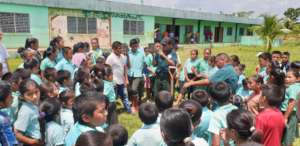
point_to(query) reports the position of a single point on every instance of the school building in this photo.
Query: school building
(76, 20)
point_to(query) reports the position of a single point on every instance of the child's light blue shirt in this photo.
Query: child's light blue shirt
(202, 129)
(54, 135)
(66, 119)
(148, 135)
(27, 120)
(109, 91)
(64, 64)
(46, 63)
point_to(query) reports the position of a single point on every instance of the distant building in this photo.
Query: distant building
(109, 21)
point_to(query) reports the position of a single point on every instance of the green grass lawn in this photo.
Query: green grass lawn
(247, 56)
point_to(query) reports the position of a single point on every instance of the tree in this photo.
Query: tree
(269, 30)
(292, 13)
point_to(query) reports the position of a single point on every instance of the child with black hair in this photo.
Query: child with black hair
(96, 50)
(270, 121)
(276, 57)
(276, 75)
(163, 102)
(52, 132)
(66, 62)
(34, 66)
(176, 128)
(7, 135)
(109, 92)
(220, 92)
(27, 127)
(288, 106)
(244, 91)
(202, 97)
(241, 128)
(33, 45)
(49, 58)
(239, 69)
(58, 43)
(194, 109)
(89, 113)
(94, 138)
(23, 73)
(66, 114)
(263, 59)
(48, 90)
(50, 74)
(119, 135)
(255, 83)
(235, 60)
(150, 130)
(64, 80)
(25, 54)
(285, 61)
(82, 77)
(78, 54)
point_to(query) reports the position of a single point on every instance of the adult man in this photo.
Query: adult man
(163, 60)
(225, 73)
(118, 63)
(3, 55)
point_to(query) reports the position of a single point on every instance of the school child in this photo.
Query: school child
(34, 66)
(194, 109)
(276, 57)
(163, 102)
(94, 138)
(191, 69)
(220, 92)
(241, 128)
(276, 75)
(49, 59)
(285, 61)
(150, 130)
(7, 135)
(52, 132)
(50, 75)
(252, 102)
(176, 128)
(109, 92)
(244, 91)
(119, 135)
(295, 65)
(150, 69)
(33, 45)
(270, 121)
(66, 115)
(263, 59)
(79, 54)
(58, 44)
(25, 55)
(82, 78)
(66, 62)
(96, 50)
(89, 112)
(202, 97)
(239, 69)
(64, 80)
(235, 60)
(288, 106)
(48, 90)
(27, 126)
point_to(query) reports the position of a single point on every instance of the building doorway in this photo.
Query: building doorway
(218, 34)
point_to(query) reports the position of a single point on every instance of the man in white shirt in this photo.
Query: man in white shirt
(118, 63)
(3, 55)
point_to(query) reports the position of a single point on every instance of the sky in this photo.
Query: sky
(273, 7)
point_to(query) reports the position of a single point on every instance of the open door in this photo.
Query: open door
(218, 34)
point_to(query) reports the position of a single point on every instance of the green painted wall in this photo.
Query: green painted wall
(118, 35)
(38, 25)
(212, 25)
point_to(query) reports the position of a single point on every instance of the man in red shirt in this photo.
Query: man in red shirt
(271, 121)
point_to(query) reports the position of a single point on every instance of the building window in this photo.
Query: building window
(14, 22)
(242, 31)
(131, 27)
(82, 25)
(249, 32)
(229, 31)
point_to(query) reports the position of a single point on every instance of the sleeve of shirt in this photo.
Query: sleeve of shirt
(132, 141)
(22, 121)
(58, 137)
(108, 61)
(218, 76)
(214, 125)
(58, 66)
(293, 94)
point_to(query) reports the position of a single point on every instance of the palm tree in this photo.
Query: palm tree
(269, 30)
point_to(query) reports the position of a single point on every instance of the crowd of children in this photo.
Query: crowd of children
(69, 97)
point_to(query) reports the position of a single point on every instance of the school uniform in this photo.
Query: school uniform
(243, 93)
(240, 81)
(60, 55)
(188, 66)
(75, 132)
(66, 119)
(202, 129)
(97, 53)
(195, 140)
(36, 78)
(218, 119)
(109, 92)
(46, 63)
(147, 135)
(27, 121)
(292, 129)
(149, 76)
(12, 110)
(204, 66)
(54, 135)
(67, 65)
(135, 71)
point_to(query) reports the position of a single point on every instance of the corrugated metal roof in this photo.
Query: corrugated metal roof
(110, 6)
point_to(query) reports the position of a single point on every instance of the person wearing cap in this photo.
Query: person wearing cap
(3, 55)
(163, 60)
